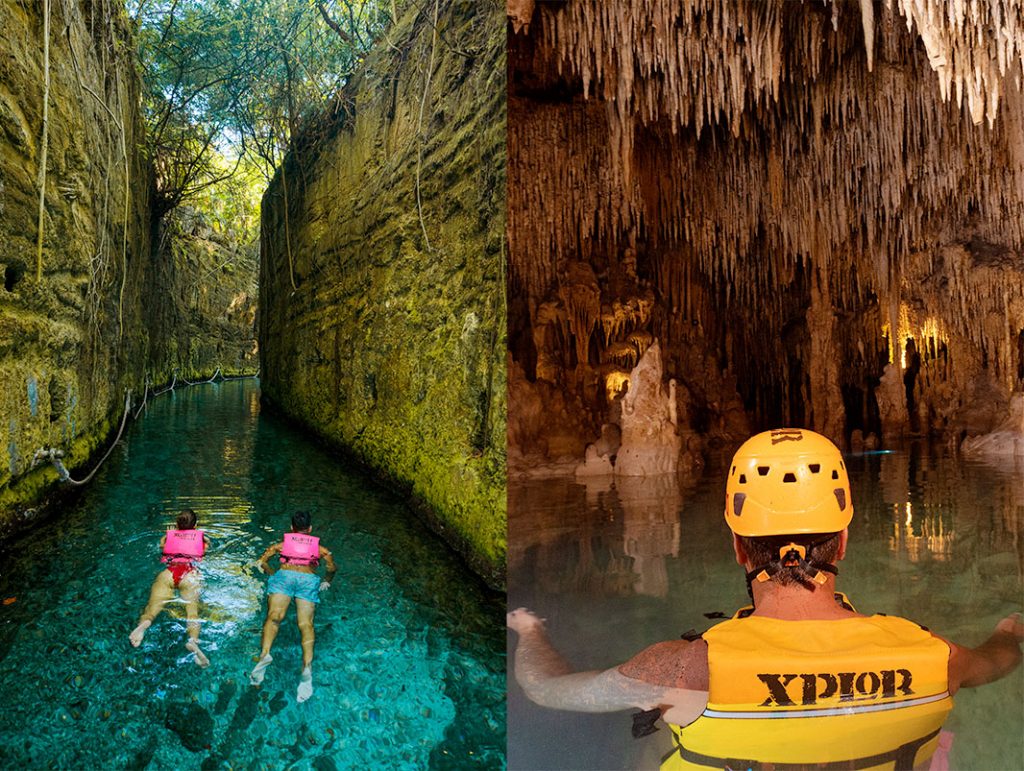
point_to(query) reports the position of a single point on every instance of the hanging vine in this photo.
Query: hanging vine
(43, 141)
(287, 232)
(419, 127)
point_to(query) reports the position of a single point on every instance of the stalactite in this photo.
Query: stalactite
(971, 46)
(733, 142)
(849, 103)
(867, 15)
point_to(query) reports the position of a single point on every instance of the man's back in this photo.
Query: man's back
(856, 690)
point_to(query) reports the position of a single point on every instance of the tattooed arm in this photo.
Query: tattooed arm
(549, 680)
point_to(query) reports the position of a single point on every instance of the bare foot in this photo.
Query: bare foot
(201, 659)
(305, 689)
(135, 638)
(260, 670)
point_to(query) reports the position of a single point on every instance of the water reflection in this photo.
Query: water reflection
(603, 535)
(928, 492)
(927, 534)
(650, 528)
(617, 565)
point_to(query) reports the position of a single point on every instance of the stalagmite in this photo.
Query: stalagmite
(824, 363)
(597, 460)
(650, 444)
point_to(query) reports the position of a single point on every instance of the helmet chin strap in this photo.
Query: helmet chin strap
(793, 555)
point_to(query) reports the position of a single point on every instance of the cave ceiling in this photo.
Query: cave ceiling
(784, 193)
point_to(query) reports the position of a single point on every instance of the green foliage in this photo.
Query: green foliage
(232, 207)
(302, 62)
(236, 79)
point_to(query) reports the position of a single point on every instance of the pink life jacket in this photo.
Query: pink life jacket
(301, 549)
(183, 545)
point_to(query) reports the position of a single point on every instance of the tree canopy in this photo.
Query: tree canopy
(228, 83)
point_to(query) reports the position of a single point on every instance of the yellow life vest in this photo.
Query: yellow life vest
(852, 693)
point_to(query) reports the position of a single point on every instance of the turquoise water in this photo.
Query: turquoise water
(409, 669)
(615, 569)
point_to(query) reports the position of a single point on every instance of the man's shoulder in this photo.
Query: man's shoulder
(672, 663)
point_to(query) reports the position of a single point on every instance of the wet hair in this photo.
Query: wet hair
(301, 521)
(821, 547)
(187, 519)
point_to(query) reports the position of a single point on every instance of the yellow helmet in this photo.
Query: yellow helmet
(787, 481)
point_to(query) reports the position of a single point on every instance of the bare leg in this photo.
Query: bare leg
(189, 589)
(277, 606)
(160, 594)
(304, 610)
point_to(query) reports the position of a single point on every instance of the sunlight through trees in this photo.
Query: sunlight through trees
(228, 84)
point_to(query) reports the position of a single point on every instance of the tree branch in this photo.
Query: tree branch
(333, 24)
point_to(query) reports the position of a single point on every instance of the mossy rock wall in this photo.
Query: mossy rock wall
(382, 314)
(204, 287)
(73, 341)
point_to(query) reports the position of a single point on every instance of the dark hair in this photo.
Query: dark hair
(187, 519)
(301, 521)
(821, 547)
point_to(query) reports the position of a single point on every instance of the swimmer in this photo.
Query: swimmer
(182, 549)
(300, 553)
(798, 679)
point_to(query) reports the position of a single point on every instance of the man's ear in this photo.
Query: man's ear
(741, 554)
(843, 538)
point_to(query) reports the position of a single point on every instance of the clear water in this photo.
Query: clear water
(613, 570)
(409, 669)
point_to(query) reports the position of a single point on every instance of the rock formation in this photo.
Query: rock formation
(1007, 440)
(784, 194)
(382, 318)
(650, 444)
(598, 457)
(647, 443)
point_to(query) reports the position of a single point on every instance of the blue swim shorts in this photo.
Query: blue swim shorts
(302, 586)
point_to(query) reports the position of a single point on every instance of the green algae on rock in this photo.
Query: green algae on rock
(382, 312)
(111, 308)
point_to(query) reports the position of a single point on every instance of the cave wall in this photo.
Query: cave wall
(783, 195)
(382, 318)
(90, 327)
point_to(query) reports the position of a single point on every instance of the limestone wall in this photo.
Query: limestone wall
(93, 323)
(204, 292)
(382, 317)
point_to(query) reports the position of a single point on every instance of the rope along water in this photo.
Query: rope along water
(213, 377)
(174, 379)
(54, 455)
(145, 394)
